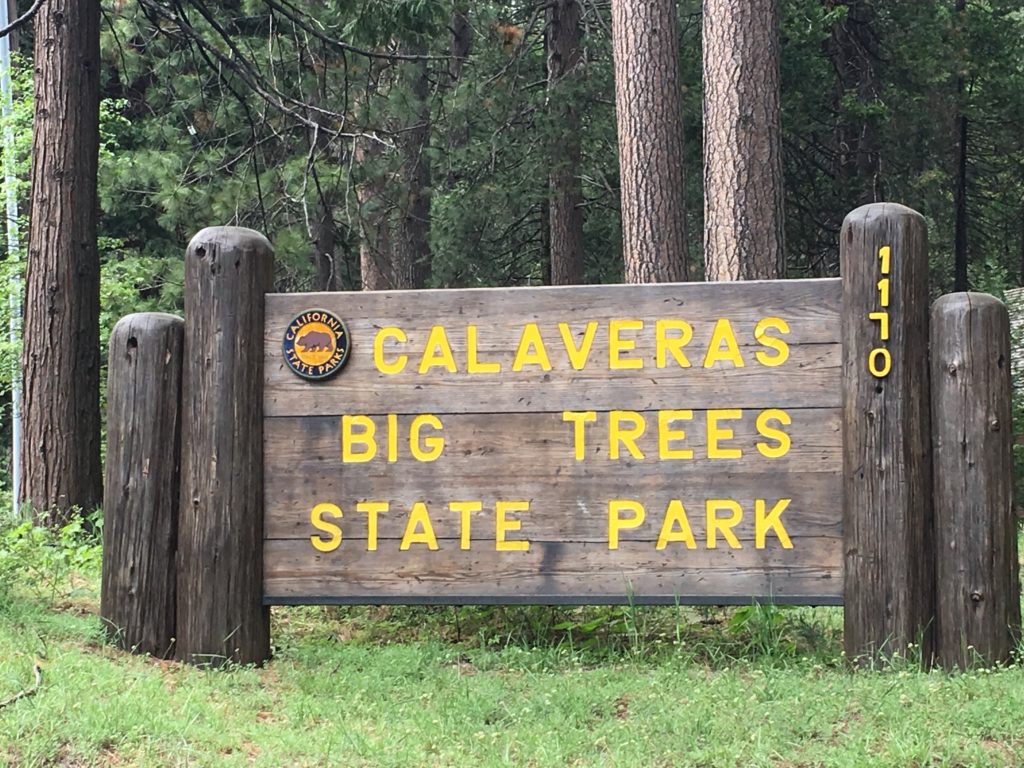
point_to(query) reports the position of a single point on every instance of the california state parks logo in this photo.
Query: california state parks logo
(316, 344)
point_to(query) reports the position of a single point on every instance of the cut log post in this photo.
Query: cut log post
(140, 502)
(887, 516)
(977, 587)
(221, 616)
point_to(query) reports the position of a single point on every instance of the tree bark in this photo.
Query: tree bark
(562, 32)
(649, 113)
(853, 50)
(412, 246)
(743, 190)
(61, 355)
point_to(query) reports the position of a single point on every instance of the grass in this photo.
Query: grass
(629, 686)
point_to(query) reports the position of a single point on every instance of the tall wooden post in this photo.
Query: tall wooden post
(140, 501)
(220, 559)
(977, 587)
(887, 516)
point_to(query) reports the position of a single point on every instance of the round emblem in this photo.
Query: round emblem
(316, 344)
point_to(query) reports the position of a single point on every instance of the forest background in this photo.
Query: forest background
(429, 142)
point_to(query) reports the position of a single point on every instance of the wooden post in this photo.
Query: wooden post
(140, 502)
(221, 616)
(887, 515)
(977, 588)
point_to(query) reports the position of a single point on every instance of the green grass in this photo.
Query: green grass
(481, 687)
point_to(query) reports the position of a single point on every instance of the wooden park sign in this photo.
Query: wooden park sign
(678, 443)
(658, 443)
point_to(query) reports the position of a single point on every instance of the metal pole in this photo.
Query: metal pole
(13, 254)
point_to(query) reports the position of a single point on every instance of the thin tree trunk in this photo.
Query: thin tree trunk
(323, 249)
(743, 194)
(565, 219)
(649, 113)
(375, 268)
(461, 40)
(853, 50)
(61, 355)
(412, 246)
(960, 255)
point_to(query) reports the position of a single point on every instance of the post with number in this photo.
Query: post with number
(887, 515)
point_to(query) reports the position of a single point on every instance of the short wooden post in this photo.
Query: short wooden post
(887, 516)
(140, 501)
(221, 616)
(977, 588)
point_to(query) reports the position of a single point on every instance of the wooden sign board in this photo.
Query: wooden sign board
(598, 444)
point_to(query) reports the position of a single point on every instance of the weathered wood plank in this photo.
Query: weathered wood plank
(887, 464)
(304, 468)
(140, 503)
(549, 572)
(977, 586)
(572, 509)
(809, 309)
(220, 612)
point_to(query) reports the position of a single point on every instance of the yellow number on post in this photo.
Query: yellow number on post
(879, 362)
(884, 253)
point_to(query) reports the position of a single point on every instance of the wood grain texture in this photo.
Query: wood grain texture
(886, 462)
(220, 613)
(506, 439)
(551, 572)
(140, 503)
(531, 456)
(977, 587)
(810, 375)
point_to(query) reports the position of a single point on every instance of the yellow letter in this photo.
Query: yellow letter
(725, 525)
(772, 521)
(530, 340)
(773, 433)
(418, 518)
(427, 448)
(378, 350)
(675, 516)
(579, 419)
(628, 437)
(438, 352)
(316, 517)
(465, 509)
(371, 508)
(674, 344)
(392, 437)
(716, 433)
(349, 439)
(780, 346)
(666, 434)
(616, 523)
(616, 345)
(578, 355)
(723, 334)
(472, 364)
(502, 525)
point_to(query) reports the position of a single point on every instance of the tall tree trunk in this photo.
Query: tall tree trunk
(61, 355)
(960, 255)
(853, 49)
(649, 113)
(562, 37)
(412, 246)
(743, 196)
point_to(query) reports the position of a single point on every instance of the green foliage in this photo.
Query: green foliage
(46, 562)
